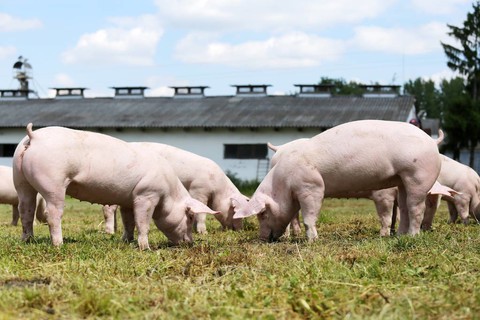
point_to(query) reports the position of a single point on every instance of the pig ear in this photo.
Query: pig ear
(443, 190)
(194, 206)
(238, 201)
(250, 209)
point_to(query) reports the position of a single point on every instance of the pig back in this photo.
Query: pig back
(371, 154)
(95, 167)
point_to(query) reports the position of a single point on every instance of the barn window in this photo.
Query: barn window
(245, 151)
(7, 150)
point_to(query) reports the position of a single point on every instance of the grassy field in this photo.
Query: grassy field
(350, 272)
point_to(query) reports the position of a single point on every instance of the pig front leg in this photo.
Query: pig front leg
(432, 203)
(142, 213)
(452, 211)
(110, 214)
(199, 222)
(385, 209)
(15, 215)
(128, 224)
(462, 206)
(310, 206)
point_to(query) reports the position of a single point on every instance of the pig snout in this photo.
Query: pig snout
(268, 234)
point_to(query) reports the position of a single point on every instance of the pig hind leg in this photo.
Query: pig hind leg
(55, 204)
(416, 195)
(402, 206)
(26, 208)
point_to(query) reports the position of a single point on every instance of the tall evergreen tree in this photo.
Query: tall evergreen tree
(466, 60)
(426, 96)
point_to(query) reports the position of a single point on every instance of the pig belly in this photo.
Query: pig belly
(358, 179)
(101, 194)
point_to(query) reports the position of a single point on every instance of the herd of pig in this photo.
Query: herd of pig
(395, 164)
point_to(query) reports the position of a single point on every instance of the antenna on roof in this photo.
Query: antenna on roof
(23, 71)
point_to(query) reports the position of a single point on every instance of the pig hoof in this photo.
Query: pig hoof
(57, 243)
(202, 230)
(27, 238)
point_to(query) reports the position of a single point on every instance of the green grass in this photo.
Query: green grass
(350, 272)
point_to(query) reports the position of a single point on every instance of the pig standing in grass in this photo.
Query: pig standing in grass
(205, 181)
(8, 195)
(101, 169)
(466, 181)
(356, 156)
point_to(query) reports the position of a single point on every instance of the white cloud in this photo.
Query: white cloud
(289, 50)
(409, 41)
(130, 42)
(7, 51)
(446, 74)
(160, 85)
(63, 80)
(10, 23)
(267, 15)
(438, 7)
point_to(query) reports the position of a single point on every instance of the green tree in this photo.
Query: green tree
(456, 115)
(426, 97)
(342, 87)
(465, 59)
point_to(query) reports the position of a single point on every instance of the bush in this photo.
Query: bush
(246, 187)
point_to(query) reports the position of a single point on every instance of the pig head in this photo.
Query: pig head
(355, 156)
(56, 161)
(205, 181)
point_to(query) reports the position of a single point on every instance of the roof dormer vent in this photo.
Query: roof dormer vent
(69, 93)
(315, 90)
(189, 91)
(14, 94)
(129, 92)
(252, 90)
(380, 91)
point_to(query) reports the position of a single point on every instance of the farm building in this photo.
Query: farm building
(231, 130)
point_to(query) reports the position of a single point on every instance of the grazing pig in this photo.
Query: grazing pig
(8, 195)
(355, 156)
(466, 181)
(94, 167)
(204, 180)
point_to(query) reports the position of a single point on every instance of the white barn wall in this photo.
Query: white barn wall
(209, 144)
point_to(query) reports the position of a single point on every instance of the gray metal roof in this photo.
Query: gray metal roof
(205, 112)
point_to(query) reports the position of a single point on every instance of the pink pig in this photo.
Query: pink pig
(101, 169)
(8, 195)
(204, 180)
(356, 156)
(466, 181)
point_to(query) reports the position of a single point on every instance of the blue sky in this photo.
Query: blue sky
(219, 43)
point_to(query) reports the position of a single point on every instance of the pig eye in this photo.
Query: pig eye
(262, 215)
